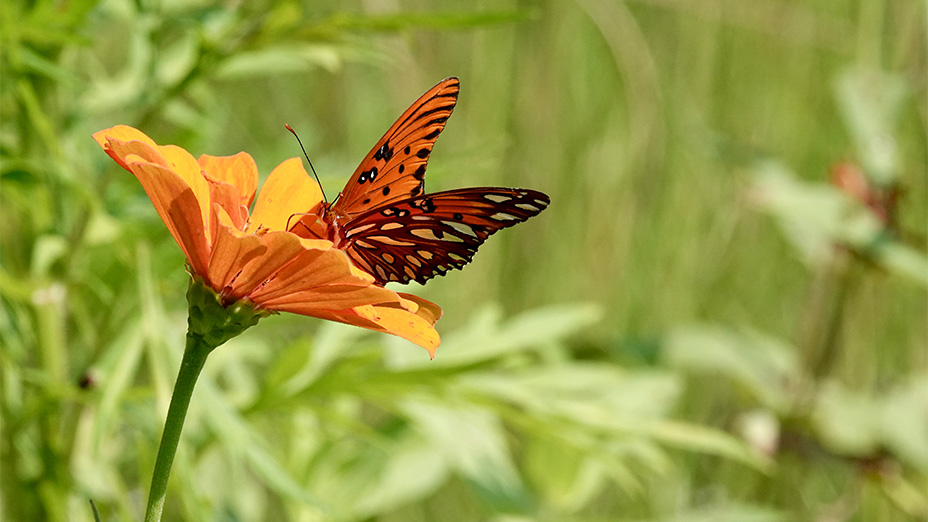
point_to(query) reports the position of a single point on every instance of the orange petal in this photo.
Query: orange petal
(288, 190)
(239, 170)
(179, 208)
(321, 279)
(325, 298)
(125, 152)
(427, 310)
(186, 166)
(171, 157)
(231, 250)
(282, 248)
(229, 199)
(122, 133)
(316, 267)
(393, 321)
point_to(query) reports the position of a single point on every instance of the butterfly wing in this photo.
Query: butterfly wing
(421, 237)
(395, 168)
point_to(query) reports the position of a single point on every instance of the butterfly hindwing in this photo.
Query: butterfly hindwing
(421, 237)
(394, 169)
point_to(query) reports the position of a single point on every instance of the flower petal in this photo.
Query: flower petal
(122, 133)
(231, 251)
(288, 190)
(125, 152)
(186, 166)
(320, 279)
(316, 267)
(239, 170)
(282, 248)
(326, 298)
(178, 207)
(393, 321)
(229, 199)
(141, 148)
(427, 310)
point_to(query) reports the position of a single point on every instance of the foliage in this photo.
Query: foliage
(700, 327)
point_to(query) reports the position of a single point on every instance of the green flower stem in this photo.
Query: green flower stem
(194, 358)
(210, 323)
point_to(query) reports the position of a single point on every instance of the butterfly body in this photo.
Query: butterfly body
(386, 223)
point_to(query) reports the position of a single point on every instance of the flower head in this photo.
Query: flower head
(252, 258)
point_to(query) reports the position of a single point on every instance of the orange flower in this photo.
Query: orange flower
(253, 258)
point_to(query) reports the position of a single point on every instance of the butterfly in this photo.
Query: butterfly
(390, 227)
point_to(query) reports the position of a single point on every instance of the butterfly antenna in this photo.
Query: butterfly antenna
(289, 128)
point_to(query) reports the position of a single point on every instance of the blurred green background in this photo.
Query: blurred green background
(710, 322)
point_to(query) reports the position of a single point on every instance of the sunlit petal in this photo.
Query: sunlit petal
(186, 166)
(239, 170)
(389, 320)
(282, 248)
(122, 133)
(179, 208)
(231, 251)
(228, 197)
(288, 190)
(426, 309)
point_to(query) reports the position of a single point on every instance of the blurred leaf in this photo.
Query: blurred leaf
(38, 64)
(767, 367)
(817, 218)
(731, 513)
(283, 59)
(701, 439)
(904, 415)
(397, 486)
(421, 20)
(474, 442)
(848, 421)
(566, 476)
(856, 423)
(47, 251)
(486, 339)
(871, 102)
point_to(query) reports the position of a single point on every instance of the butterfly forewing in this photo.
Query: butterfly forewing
(394, 169)
(421, 237)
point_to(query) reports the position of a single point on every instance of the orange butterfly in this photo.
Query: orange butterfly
(395, 232)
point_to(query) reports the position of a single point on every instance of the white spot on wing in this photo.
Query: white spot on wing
(526, 206)
(390, 241)
(428, 233)
(497, 198)
(358, 230)
(502, 216)
(456, 257)
(461, 227)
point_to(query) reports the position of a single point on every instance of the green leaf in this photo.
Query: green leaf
(871, 102)
(485, 338)
(283, 59)
(474, 443)
(766, 366)
(435, 21)
(904, 422)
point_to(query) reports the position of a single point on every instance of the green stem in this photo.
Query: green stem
(190, 366)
